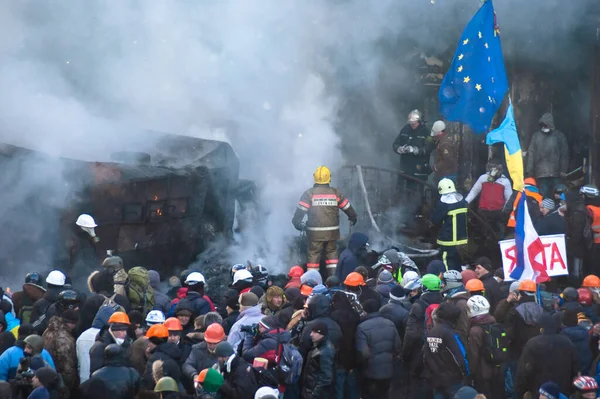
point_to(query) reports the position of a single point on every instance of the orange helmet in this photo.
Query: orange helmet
(214, 334)
(119, 317)
(474, 285)
(354, 279)
(173, 324)
(296, 271)
(591, 281)
(530, 181)
(202, 376)
(157, 331)
(305, 290)
(527, 285)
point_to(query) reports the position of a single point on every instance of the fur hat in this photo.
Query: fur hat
(100, 281)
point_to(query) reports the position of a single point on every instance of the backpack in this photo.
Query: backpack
(139, 290)
(495, 349)
(111, 302)
(289, 363)
(429, 316)
(25, 310)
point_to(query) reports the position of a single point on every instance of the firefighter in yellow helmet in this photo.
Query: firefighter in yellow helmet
(322, 204)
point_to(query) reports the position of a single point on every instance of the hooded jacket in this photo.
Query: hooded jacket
(240, 381)
(396, 312)
(103, 339)
(548, 153)
(196, 302)
(161, 301)
(200, 358)
(247, 317)
(42, 304)
(444, 357)
(460, 298)
(414, 336)
(318, 310)
(87, 339)
(480, 368)
(347, 319)
(123, 382)
(521, 324)
(60, 343)
(9, 360)
(266, 345)
(30, 294)
(581, 341)
(169, 354)
(352, 256)
(377, 343)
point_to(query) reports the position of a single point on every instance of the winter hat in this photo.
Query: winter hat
(248, 299)
(210, 379)
(270, 322)
(311, 275)
(70, 316)
(569, 318)
(25, 330)
(266, 393)
(437, 128)
(549, 204)
(332, 281)
(224, 349)
(36, 342)
(319, 326)
(465, 393)
(274, 291)
(397, 293)
(292, 294)
(154, 279)
(371, 306)
(258, 291)
(385, 277)
(101, 281)
(47, 376)
(468, 275)
(436, 267)
(448, 311)
(550, 390)
(319, 289)
(514, 286)
(136, 317)
(183, 309)
(484, 262)
(547, 322)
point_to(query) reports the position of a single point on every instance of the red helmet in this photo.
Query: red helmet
(585, 297)
(585, 384)
(296, 271)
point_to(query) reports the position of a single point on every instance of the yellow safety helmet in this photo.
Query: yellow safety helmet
(322, 175)
(446, 186)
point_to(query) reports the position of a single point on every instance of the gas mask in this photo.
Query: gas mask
(91, 232)
(545, 129)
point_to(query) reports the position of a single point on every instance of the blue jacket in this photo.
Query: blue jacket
(581, 339)
(348, 260)
(9, 361)
(39, 393)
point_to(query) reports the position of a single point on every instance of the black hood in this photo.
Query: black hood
(318, 306)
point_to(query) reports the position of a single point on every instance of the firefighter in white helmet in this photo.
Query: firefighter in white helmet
(451, 214)
(82, 244)
(322, 204)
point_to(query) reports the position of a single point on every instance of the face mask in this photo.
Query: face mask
(545, 130)
(91, 232)
(119, 341)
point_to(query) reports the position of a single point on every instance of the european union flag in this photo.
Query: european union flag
(476, 83)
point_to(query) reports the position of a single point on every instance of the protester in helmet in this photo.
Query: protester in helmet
(168, 388)
(455, 292)
(586, 301)
(294, 277)
(82, 244)
(242, 281)
(115, 332)
(59, 341)
(249, 314)
(163, 351)
(475, 287)
(208, 382)
(67, 299)
(353, 256)
(355, 283)
(23, 301)
(484, 272)
(538, 364)
(55, 282)
(585, 387)
(203, 355)
(260, 276)
(176, 337)
(122, 381)
(195, 299)
(450, 214)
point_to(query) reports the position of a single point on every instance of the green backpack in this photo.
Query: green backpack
(139, 290)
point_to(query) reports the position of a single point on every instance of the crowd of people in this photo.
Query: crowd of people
(392, 333)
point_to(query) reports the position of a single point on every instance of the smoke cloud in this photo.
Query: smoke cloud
(290, 85)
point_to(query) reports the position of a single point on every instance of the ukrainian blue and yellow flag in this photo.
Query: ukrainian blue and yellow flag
(475, 85)
(507, 133)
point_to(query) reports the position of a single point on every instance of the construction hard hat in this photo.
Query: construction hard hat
(166, 384)
(56, 277)
(530, 181)
(119, 317)
(114, 262)
(589, 190)
(236, 267)
(85, 220)
(173, 324)
(431, 282)
(585, 384)
(242, 275)
(414, 116)
(585, 296)
(322, 175)
(451, 279)
(437, 128)
(527, 286)
(296, 271)
(306, 290)
(570, 294)
(33, 278)
(214, 333)
(477, 305)
(446, 186)
(266, 393)
(474, 285)
(195, 278)
(155, 317)
(412, 284)
(354, 279)
(157, 331)
(591, 281)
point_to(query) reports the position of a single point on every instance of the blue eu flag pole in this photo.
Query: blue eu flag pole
(476, 82)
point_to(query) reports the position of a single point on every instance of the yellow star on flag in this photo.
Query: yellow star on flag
(465, 42)
(460, 57)
(460, 68)
(486, 45)
(467, 79)
(480, 35)
(478, 87)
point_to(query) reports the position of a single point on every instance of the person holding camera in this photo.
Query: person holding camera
(263, 340)
(45, 384)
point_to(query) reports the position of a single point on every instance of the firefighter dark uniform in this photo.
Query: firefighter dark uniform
(451, 213)
(322, 204)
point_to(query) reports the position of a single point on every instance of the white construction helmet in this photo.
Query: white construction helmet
(85, 220)
(414, 116)
(446, 186)
(155, 317)
(266, 393)
(56, 277)
(437, 128)
(195, 278)
(242, 275)
(477, 305)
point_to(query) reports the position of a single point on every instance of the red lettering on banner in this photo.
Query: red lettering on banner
(556, 258)
(511, 255)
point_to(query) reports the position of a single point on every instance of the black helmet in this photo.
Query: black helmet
(69, 299)
(33, 278)
(112, 351)
(570, 294)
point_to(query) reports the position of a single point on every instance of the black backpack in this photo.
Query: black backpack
(496, 342)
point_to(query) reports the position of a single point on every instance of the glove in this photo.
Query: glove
(352, 221)
(402, 149)
(413, 150)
